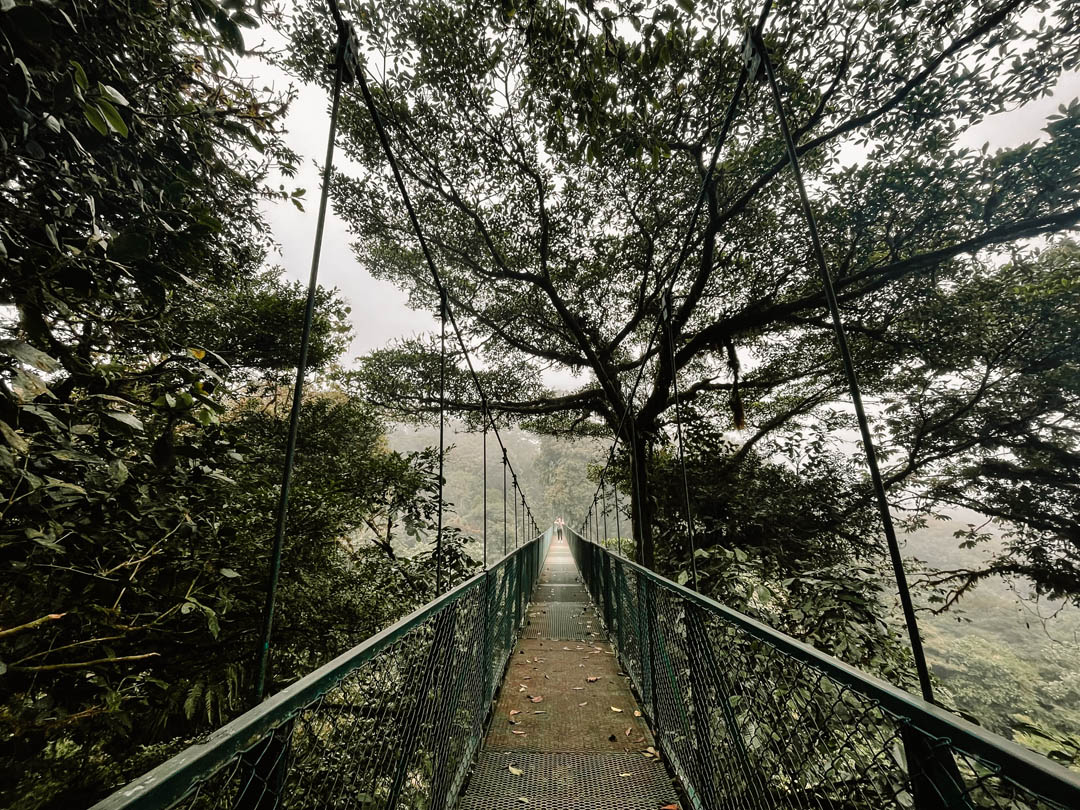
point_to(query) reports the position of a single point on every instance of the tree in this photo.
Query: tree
(555, 153)
(141, 408)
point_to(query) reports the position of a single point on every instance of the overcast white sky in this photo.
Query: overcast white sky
(379, 311)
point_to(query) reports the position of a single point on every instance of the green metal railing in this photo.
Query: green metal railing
(747, 717)
(392, 723)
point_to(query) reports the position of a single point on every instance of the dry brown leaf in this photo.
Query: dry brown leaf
(628, 730)
(592, 678)
(514, 711)
(522, 733)
(536, 699)
(616, 709)
(586, 703)
(637, 713)
(670, 807)
(515, 771)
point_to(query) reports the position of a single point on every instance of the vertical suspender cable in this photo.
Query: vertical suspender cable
(301, 368)
(505, 525)
(853, 382)
(603, 500)
(618, 527)
(485, 488)
(667, 315)
(442, 440)
(515, 512)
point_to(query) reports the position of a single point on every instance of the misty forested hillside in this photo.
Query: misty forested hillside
(1007, 660)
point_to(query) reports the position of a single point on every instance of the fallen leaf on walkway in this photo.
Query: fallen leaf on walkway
(637, 713)
(628, 730)
(522, 689)
(522, 733)
(536, 699)
(592, 678)
(586, 703)
(625, 774)
(515, 771)
(579, 687)
(616, 709)
(514, 711)
(523, 800)
(670, 807)
(540, 712)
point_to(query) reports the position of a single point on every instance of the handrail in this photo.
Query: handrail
(174, 779)
(1037, 774)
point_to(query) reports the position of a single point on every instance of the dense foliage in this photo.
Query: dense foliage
(144, 343)
(555, 152)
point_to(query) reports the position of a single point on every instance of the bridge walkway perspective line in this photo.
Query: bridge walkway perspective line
(566, 731)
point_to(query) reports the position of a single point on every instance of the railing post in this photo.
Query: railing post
(489, 641)
(268, 765)
(518, 577)
(443, 635)
(703, 674)
(645, 643)
(606, 589)
(452, 680)
(936, 783)
(619, 617)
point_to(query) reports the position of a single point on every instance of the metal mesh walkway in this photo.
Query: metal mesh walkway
(566, 731)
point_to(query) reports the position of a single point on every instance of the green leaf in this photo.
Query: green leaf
(112, 94)
(229, 573)
(17, 442)
(125, 419)
(95, 118)
(80, 75)
(230, 32)
(26, 353)
(113, 117)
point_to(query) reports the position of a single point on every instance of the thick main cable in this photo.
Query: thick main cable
(384, 140)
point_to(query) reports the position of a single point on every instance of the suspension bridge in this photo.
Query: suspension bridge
(567, 675)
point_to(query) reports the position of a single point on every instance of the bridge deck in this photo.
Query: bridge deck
(567, 731)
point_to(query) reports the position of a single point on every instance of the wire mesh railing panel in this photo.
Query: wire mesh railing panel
(750, 718)
(394, 723)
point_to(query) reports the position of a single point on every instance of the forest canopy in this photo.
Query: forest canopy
(556, 151)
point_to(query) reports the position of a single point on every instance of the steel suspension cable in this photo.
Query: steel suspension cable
(669, 282)
(852, 378)
(679, 439)
(414, 220)
(442, 439)
(505, 525)
(281, 517)
(603, 503)
(484, 444)
(618, 528)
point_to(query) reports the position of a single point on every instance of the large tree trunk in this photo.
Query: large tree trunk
(640, 510)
